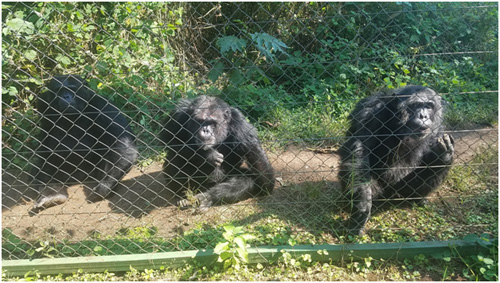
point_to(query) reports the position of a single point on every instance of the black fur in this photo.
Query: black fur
(208, 141)
(83, 138)
(396, 148)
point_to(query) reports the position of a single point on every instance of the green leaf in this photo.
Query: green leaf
(220, 247)
(90, 27)
(117, 50)
(79, 15)
(30, 55)
(108, 42)
(488, 260)
(238, 230)
(243, 254)
(225, 255)
(266, 44)
(63, 59)
(102, 67)
(227, 264)
(368, 262)
(228, 228)
(20, 26)
(247, 236)
(240, 242)
(231, 42)
(216, 71)
(236, 77)
(228, 236)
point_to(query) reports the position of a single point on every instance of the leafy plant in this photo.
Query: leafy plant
(484, 265)
(233, 252)
(243, 64)
(268, 44)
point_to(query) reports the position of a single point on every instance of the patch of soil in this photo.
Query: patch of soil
(142, 200)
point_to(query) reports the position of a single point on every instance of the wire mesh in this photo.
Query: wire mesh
(123, 147)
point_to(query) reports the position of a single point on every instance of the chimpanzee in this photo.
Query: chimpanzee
(395, 148)
(83, 137)
(208, 144)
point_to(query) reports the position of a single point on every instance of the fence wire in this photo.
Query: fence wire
(113, 141)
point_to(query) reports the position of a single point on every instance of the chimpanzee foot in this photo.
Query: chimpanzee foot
(186, 203)
(47, 201)
(200, 200)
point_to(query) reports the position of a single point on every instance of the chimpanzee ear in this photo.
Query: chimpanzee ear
(227, 114)
(396, 100)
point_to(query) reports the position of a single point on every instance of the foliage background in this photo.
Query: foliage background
(293, 65)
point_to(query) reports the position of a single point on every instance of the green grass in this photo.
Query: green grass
(312, 125)
(471, 115)
(287, 267)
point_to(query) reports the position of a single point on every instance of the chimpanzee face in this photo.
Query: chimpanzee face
(67, 93)
(210, 122)
(420, 112)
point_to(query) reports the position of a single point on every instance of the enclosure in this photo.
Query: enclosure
(295, 70)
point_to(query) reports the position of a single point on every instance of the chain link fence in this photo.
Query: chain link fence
(290, 73)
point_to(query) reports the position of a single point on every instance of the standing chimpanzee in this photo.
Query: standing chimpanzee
(83, 138)
(396, 148)
(207, 142)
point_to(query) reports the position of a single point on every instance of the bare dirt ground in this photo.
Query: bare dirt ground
(142, 200)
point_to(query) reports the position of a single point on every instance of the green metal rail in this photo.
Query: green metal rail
(117, 263)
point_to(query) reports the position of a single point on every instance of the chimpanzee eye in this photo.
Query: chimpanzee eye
(429, 105)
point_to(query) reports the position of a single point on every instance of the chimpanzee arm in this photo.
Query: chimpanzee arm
(431, 173)
(356, 171)
(355, 175)
(116, 145)
(242, 183)
(261, 170)
(249, 145)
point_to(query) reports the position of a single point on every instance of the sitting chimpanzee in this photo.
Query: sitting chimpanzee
(83, 138)
(207, 142)
(396, 148)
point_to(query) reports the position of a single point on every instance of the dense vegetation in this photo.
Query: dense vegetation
(292, 67)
